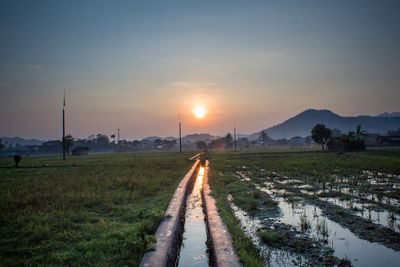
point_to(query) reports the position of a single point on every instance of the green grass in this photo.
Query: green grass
(310, 166)
(97, 210)
(224, 184)
(271, 238)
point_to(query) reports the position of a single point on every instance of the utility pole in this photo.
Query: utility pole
(234, 135)
(180, 135)
(63, 127)
(263, 137)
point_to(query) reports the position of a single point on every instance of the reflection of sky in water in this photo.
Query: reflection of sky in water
(345, 243)
(193, 249)
(384, 218)
(250, 225)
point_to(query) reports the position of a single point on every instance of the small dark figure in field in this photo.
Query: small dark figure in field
(17, 159)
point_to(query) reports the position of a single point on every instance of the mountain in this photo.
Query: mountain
(21, 141)
(302, 123)
(389, 115)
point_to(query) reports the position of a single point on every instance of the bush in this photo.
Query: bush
(345, 143)
(270, 238)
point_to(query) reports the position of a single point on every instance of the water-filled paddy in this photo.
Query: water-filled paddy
(315, 208)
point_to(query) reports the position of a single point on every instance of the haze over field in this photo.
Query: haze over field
(137, 65)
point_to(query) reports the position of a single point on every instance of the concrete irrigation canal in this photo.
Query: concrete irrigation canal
(192, 233)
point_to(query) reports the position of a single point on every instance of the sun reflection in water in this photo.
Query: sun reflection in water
(200, 176)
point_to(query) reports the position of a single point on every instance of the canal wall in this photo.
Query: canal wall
(170, 229)
(223, 253)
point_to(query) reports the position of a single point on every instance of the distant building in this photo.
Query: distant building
(80, 151)
(391, 140)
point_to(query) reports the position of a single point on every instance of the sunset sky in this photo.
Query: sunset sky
(136, 65)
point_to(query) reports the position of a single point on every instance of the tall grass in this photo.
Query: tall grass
(95, 210)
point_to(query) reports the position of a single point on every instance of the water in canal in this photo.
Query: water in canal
(193, 251)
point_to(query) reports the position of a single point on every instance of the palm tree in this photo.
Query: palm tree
(360, 134)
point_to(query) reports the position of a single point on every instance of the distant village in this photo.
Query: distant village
(109, 143)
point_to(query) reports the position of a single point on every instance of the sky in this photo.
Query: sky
(141, 65)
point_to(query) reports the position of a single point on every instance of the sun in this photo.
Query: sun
(199, 112)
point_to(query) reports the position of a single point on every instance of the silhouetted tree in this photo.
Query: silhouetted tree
(1, 145)
(394, 132)
(113, 137)
(228, 141)
(157, 143)
(52, 146)
(136, 144)
(69, 142)
(320, 134)
(201, 145)
(102, 139)
(217, 144)
(359, 133)
(336, 132)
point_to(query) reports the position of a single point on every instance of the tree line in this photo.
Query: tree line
(333, 139)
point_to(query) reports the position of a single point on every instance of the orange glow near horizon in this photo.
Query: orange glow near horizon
(199, 112)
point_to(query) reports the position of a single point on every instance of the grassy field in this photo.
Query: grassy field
(96, 210)
(259, 182)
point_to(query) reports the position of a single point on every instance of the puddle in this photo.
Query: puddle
(270, 190)
(305, 186)
(372, 197)
(371, 174)
(250, 226)
(384, 218)
(193, 251)
(289, 181)
(345, 244)
(343, 241)
(243, 176)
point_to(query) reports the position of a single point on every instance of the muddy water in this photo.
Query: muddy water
(193, 251)
(272, 257)
(343, 241)
(384, 218)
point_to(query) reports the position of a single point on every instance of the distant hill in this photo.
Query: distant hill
(390, 115)
(301, 124)
(21, 141)
(194, 138)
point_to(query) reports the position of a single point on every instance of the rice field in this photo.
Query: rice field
(95, 210)
(311, 208)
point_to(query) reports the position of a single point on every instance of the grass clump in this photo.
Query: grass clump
(271, 238)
